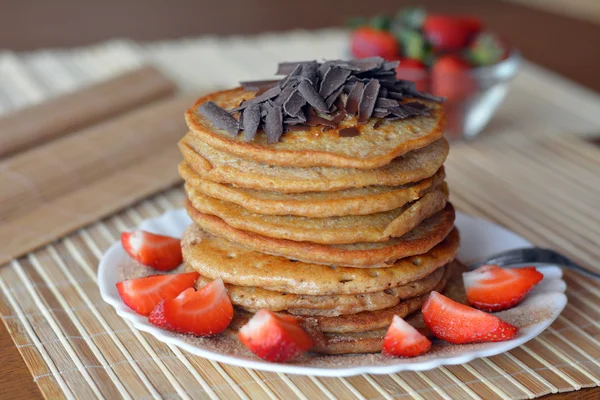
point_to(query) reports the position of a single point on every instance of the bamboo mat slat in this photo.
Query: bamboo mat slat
(528, 172)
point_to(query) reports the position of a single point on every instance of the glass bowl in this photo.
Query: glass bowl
(485, 90)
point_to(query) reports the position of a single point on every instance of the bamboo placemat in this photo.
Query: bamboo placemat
(528, 173)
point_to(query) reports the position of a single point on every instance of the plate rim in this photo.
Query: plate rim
(140, 323)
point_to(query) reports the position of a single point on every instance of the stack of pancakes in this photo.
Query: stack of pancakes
(343, 232)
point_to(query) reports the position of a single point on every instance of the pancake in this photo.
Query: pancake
(214, 257)
(372, 148)
(359, 255)
(378, 319)
(372, 341)
(334, 230)
(221, 167)
(253, 299)
(353, 201)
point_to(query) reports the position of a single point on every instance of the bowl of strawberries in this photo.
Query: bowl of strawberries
(451, 56)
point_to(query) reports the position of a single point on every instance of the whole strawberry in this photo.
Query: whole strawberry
(449, 33)
(369, 42)
(451, 78)
(413, 70)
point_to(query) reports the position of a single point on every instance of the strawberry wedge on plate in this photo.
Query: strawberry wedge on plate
(403, 340)
(205, 312)
(274, 337)
(143, 294)
(162, 253)
(459, 324)
(491, 288)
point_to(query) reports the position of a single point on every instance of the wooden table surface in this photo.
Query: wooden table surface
(557, 42)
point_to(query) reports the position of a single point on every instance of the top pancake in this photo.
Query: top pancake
(372, 148)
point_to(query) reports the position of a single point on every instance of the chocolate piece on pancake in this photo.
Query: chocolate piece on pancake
(354, 201)
(377, 227)
(222, 167)
(214, 257)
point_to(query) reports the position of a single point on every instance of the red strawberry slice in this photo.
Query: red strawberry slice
(403, 340)
(274, 337)
(143, 294)
(458, 323)
(157, 316)
(205, 312)
(160, 252)
(492, 288)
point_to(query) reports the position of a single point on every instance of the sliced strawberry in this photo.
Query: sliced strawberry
(403, 340)
(274, 337)
(157, 316)
(458, 323)
(160, 252)
(143, 294)
(205, 312)
(492, 288)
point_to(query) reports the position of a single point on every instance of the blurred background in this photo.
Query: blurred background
(549, 32)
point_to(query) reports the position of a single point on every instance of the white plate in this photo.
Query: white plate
(478, 239)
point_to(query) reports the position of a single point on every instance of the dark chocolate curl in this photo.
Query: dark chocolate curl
(294, 103)
(269, 94)
(333, 80)
(309, 71)
(354, 98)
(367, 103)
(258, 85)
(274, 124)
(219, 117)
(250, 121)
(333, 97)
(286, 68)
(386, 103)
(312, 97)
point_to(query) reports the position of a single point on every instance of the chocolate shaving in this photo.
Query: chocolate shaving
(294, 103)
(322, 94)
(395, 95)
(274, 124)
(309, 72)
(219, 117)
(269, 94)
(291, 77)
(286, 68)
(333, 97)
(349, 132)
(377, 123)
(308, 91)
(250, 120)
(386, 103)
(354, 98)
(367, 102)
(333, 79)
(258, 85)
(339, 105)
